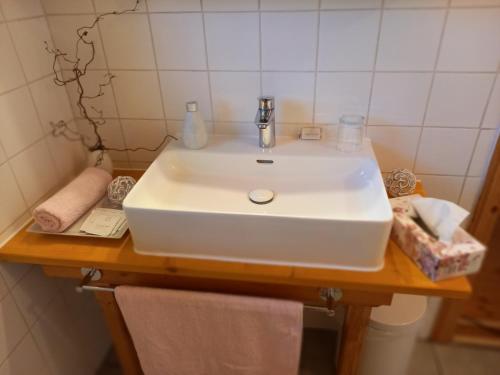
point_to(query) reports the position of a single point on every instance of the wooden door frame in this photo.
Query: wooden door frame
(482, 226)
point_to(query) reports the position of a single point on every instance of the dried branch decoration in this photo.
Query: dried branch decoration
(79, 69)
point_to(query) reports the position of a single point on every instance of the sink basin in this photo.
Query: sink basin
(329, 209)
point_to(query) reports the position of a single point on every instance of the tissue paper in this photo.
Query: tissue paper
(441, 217)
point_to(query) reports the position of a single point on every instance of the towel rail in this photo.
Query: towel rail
(330, 295)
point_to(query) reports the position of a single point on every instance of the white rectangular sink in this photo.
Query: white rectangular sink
(329, 210)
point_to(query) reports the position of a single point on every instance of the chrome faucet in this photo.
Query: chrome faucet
(264, 119)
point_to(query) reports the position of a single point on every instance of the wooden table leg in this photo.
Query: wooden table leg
(353, 333)
(122, 341)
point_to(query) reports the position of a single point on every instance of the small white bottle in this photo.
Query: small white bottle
(194, 132)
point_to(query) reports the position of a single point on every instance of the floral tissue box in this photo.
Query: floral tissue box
(437, 259)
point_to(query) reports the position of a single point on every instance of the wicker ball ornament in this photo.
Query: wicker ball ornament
(400, 182)
(119, 188)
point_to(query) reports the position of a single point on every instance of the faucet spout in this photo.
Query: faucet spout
(265, 121)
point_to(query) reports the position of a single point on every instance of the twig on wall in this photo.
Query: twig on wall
(84, 56)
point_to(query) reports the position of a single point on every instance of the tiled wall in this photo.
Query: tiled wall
(423, 72)
(45, 328)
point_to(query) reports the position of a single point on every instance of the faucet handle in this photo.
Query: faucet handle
(266, 102)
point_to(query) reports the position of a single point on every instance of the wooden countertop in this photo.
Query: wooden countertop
(399, 275)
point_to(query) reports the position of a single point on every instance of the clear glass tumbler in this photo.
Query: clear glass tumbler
(350, 133)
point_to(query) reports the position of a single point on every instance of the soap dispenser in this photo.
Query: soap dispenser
(194, 132)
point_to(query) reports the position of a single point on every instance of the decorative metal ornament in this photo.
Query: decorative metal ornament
(400, 182)
(119, 188)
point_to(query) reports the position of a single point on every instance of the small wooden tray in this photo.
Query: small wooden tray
(74, 230)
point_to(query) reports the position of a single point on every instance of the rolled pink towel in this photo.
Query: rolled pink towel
(67, 205)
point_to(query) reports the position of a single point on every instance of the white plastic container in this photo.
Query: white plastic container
(194, 132)
(391, 336)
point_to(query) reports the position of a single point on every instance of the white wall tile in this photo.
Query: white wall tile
(293, 92)
(443, 187)
(405, 44)
(11, 74)
(457, 3)
(12, 326)
(289, 4)
(127, 41)
(483, 151)
(12, 272)
(144, 133)
(104, 6)
(395, 147)
(179, 87)
(51, 102)
(237, 129)
(29, 37)
(111, 133)
(25, 359)
(35, 171)
(138, 94)
(234, 95)
(414, 3)
(341, 93)
(68, 6)
(10, 197)
(476, 31)
(233, 41)
(399, 98)
(90, 83)
(175, 127)
(458, 99)
(55, 335)
(33, 294)
(19, 124)
(289, 41)
(445, 151)
(350, 4)
(492, 116)
(63, 30)
(470, 193)
(182, 33)
(174, 5)
(347, 40)
(13, 9)
(230, 4)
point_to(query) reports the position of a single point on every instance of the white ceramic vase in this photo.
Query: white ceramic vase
(105, 163)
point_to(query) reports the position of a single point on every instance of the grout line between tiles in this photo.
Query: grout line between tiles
(9, 158)
(155, 59)
(437, 360)
(205, 45)
(105, 57)
(476, 141)
(429, 93)
(374, 65)
(326, 10)
(315, 87)
(289, 71)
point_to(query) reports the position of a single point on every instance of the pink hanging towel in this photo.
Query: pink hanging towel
(194, 333)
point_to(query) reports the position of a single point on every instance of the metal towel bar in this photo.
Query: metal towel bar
(330, 295)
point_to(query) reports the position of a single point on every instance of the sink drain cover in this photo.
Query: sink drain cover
(261, 196)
